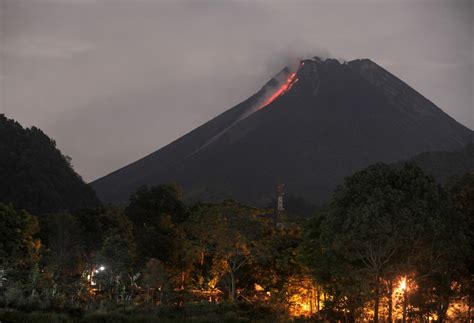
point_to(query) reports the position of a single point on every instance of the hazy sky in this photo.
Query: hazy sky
(114, 80)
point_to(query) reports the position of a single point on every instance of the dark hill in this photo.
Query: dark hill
(329, 120)
(35, 176)
(444, 165)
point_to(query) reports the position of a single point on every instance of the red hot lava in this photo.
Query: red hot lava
(292, 79)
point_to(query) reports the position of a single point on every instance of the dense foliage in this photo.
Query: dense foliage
(391, 244)
(34, 175)
(383, 225)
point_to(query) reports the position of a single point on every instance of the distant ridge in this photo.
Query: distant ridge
(444, 165)
(307, 127)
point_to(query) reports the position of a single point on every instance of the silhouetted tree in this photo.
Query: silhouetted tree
(383, 221)
(154, 212)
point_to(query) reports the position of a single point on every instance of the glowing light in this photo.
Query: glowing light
(259, 288)
(292, 79)
(303, 298)
(403, 287)
(101, 268)
(403, 284)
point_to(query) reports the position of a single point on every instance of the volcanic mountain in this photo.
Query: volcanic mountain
(308, 127)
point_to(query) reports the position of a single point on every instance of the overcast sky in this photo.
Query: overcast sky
(114, 80)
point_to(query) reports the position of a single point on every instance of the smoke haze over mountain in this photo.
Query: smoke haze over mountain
(112, 81)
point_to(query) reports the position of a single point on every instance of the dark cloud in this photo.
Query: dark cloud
(113, 80)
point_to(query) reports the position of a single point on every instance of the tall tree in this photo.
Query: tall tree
(377, 224)
(64, 250)
(17, 241)
(228, 234)
(19, 249)
(153, 212)
(115, 262)
(462, 191)
(156, 280)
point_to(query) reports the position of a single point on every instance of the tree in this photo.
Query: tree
(276, 262)
(462, 191)
(64, 250)
(343, 296)
(17, 241)
(227, 233)
(156, 279)
(19, 249)
(378, 224)
(154, 212)
(149, 203)
(440, 262)
(93, 224)
(117, 255)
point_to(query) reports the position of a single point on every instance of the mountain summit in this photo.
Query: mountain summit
(308, 127)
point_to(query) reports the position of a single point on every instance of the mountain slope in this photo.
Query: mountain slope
(35, 176)
(443, 165)
(328, 120)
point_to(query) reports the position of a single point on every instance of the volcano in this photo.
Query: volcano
(308, 127)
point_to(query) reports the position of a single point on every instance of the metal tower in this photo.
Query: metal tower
(279, 210)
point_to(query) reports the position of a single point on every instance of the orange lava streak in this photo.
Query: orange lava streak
(285, 87)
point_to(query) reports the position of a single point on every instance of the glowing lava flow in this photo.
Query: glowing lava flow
(292, 79)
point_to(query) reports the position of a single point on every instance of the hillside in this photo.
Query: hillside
(443, 165)
(35, 176)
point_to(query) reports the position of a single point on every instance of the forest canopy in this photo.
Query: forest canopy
(391, 244)
(35, 175)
